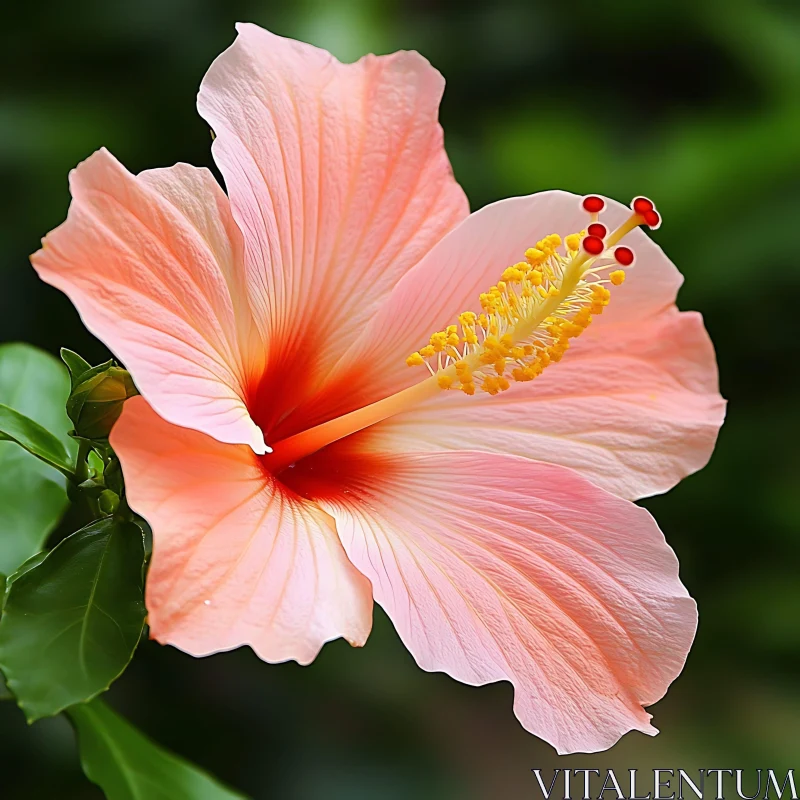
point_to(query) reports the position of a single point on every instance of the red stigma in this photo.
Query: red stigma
(593, 245)
(641, 205)
(593, 204)
(597, 229)
(652, 219)
(624, 256)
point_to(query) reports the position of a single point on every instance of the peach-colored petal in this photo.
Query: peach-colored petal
(337, 176)
(470, 259)
(151, 263)
(633, 406)
(494, 568)
(237, 559)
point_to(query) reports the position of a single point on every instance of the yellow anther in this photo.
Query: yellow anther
(491, 385)
(601, 294)
(527, 322)
(438, 341)
(534, 256)
(571, 330)
(617, 277)
(513, 275)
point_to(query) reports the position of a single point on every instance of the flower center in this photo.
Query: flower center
(527, 321)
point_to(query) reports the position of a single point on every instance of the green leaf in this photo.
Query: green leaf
(25, 566)
(32, 494)
(127, 765)
(4, 693)
(77, 365)
(71, 623)
(16, 427)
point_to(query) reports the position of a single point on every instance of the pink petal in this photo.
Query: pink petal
(151, 263)
(237, 558)
(498, 568)
(471, 258)
(633, 406)
(337, 176)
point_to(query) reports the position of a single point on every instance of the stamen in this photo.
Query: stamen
(527, 321)
(537, 306)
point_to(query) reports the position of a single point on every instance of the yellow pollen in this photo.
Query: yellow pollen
(527, 319)
(534, 256)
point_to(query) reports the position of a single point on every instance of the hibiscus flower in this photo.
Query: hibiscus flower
(354, 390)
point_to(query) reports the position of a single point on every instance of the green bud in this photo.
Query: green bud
(108, 502)
(96, 400)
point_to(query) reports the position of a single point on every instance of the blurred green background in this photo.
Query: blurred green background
(695, 103)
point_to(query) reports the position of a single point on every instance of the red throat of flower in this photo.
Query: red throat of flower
(526, 322)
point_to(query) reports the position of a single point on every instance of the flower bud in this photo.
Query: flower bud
(108, 502)
(96, 400)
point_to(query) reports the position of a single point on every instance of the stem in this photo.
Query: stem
(82, 464)
(82, 473)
